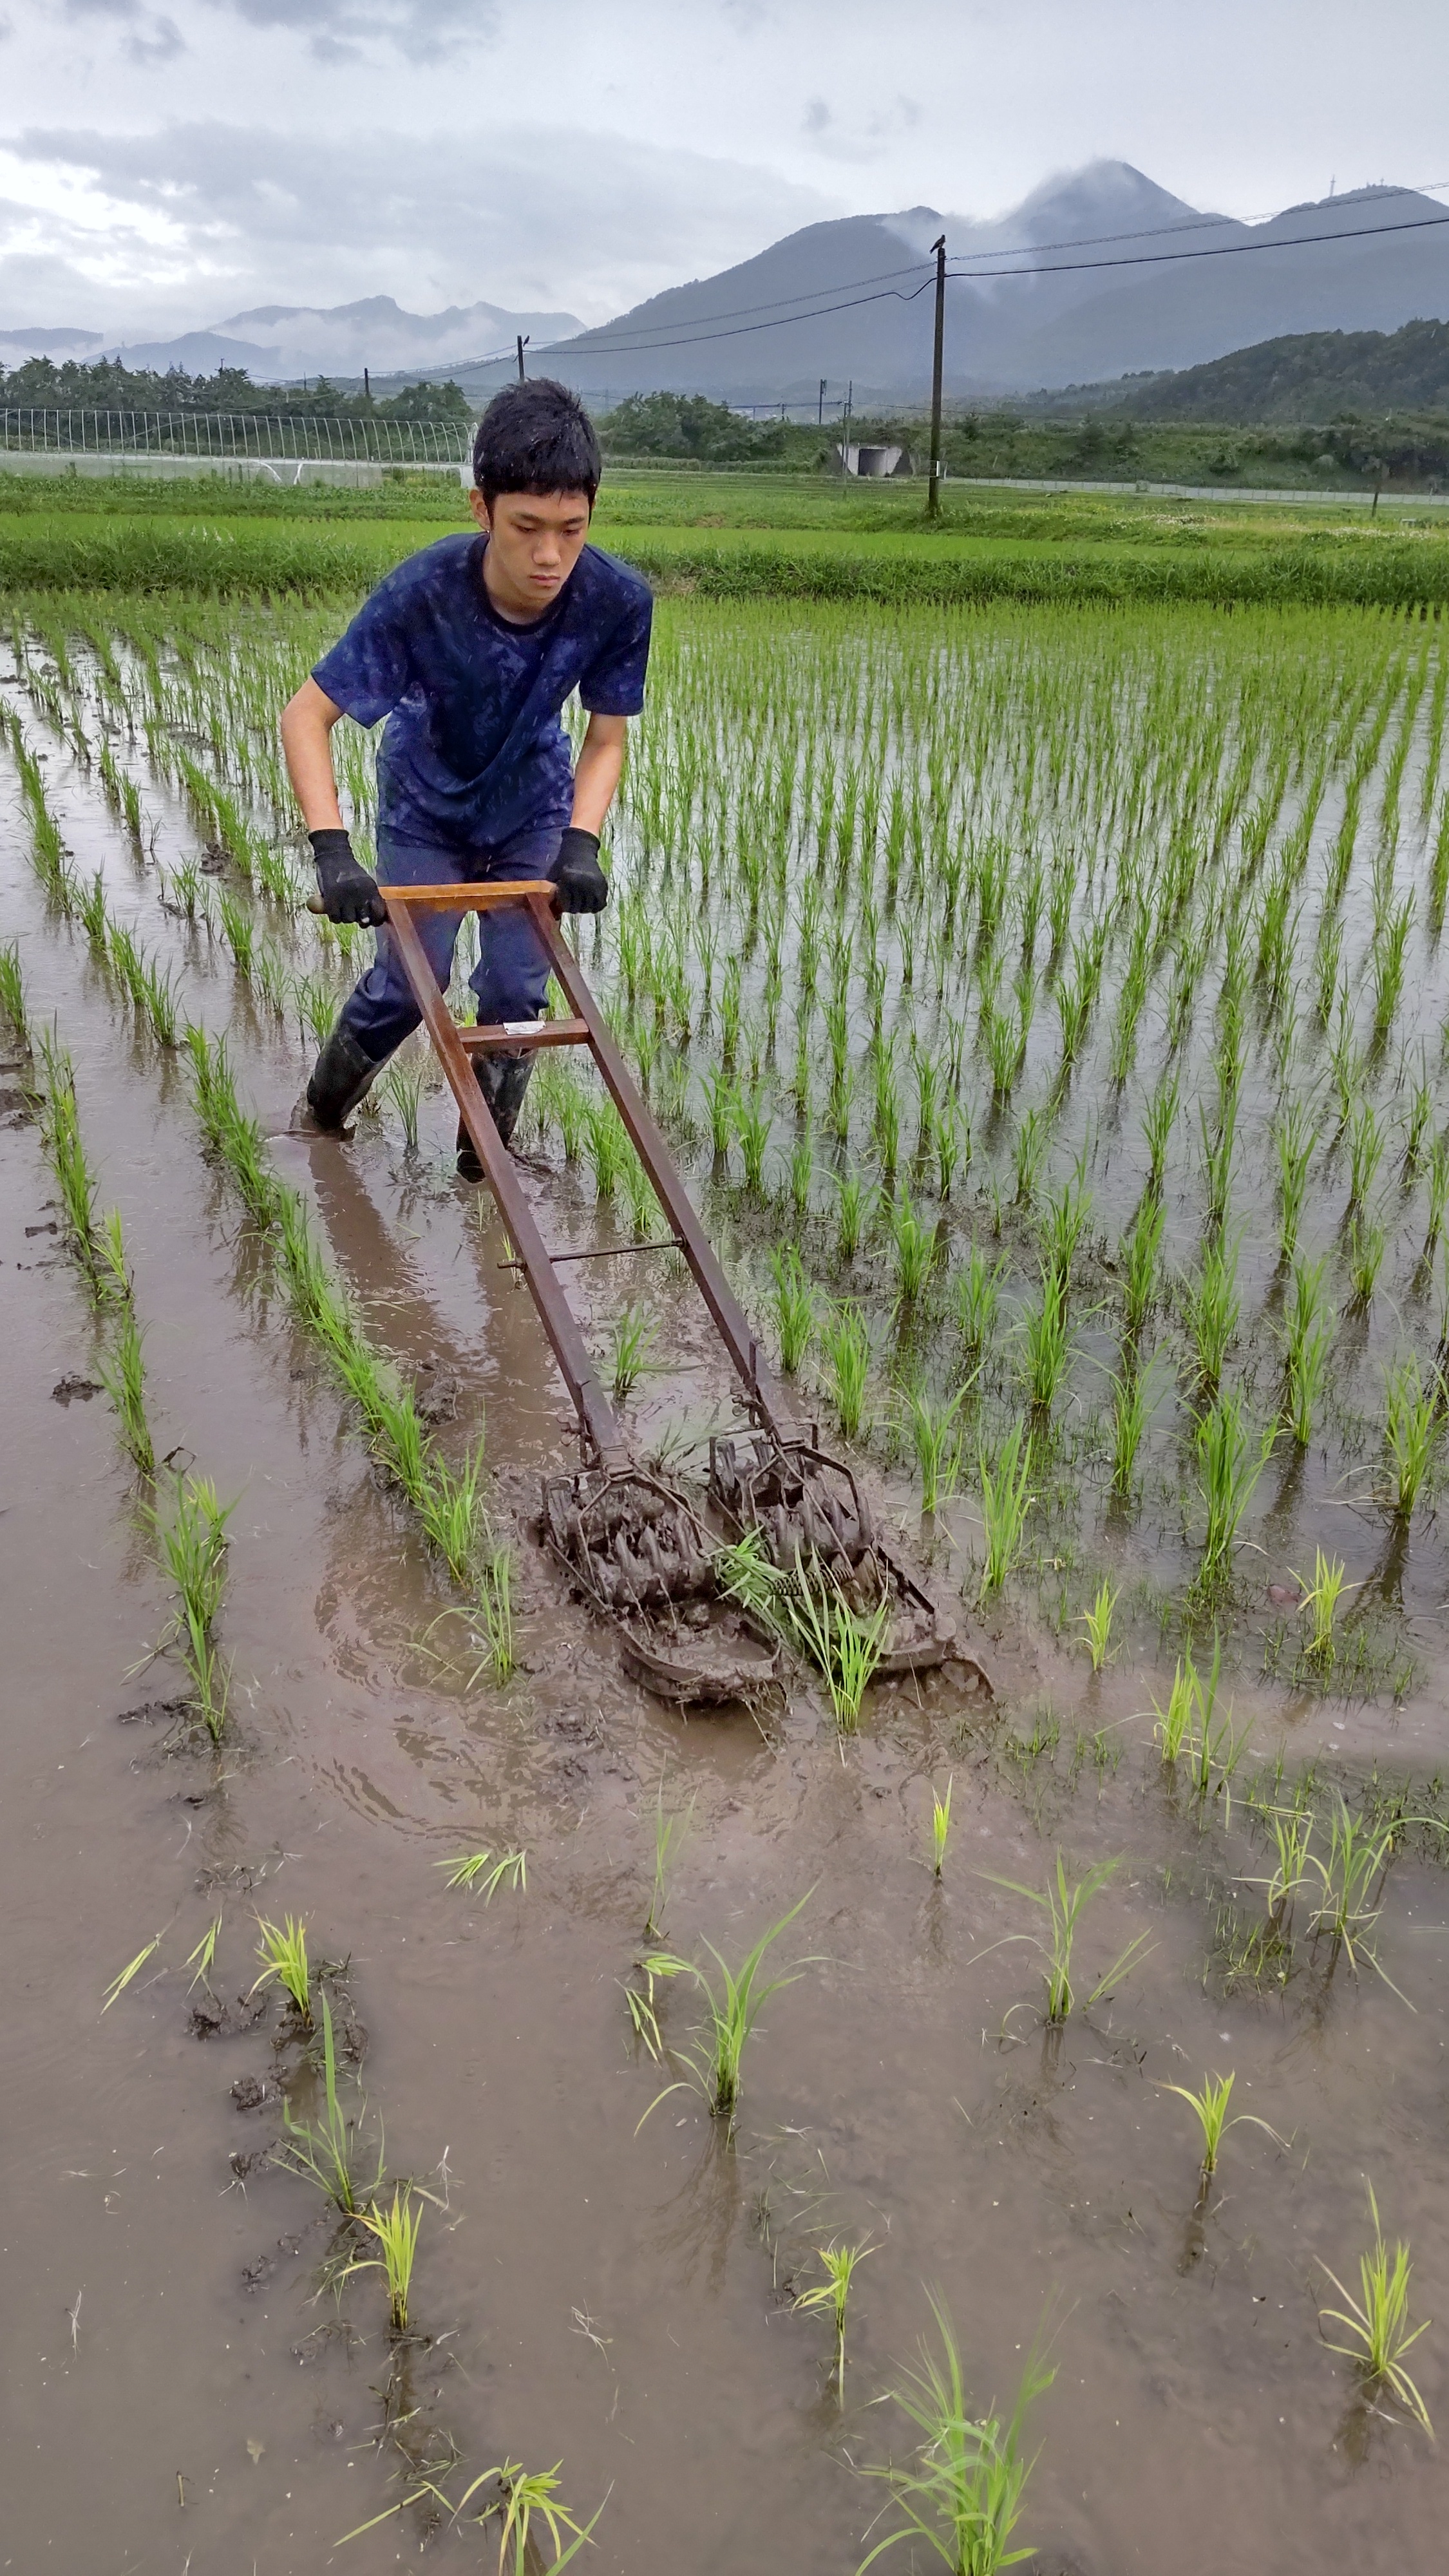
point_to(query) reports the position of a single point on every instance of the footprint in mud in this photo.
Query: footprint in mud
(73, 1390)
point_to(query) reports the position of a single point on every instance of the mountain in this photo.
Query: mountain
(376, 332)
(197, 353)
(1090, 280)
(16, 346)
(1309, 376)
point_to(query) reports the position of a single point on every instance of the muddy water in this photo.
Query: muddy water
(617, 2297)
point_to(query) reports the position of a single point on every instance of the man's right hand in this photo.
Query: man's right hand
(348, 892)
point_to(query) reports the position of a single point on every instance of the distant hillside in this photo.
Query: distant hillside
(1307, 376)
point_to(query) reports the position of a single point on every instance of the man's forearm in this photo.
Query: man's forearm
(598, 771)
(307, 722)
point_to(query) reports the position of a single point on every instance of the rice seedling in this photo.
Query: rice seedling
(450, 1508)
(606, 1147)
(1174, 1729)
(1028, 1155)
(1413, 1422)
(752, 1129)
(850, 1214)
(845, 1644)
(1229, 1463)
(838, 2262)
(1307, 1342)
(402, 1085)
(915, 1248)
(940, 1828)
(936, 1432)
(1135, 1392)
(282, 1950)
(1293, 1141)
(846, 1343)
(12, 991)
(1437, 1170)
(1351, 1880)
(1365, 1260)
(1046, 1342)
(525, 2497)
(1158, 1122)
(472, 1870)
(492, 1613)
(1319, 1605)
(977, 1297)
(1292, 1832)
(123, 1375)
(1006, 1499)
(1097, 1621)
(732, 2011)
(396, 2229)
(1064, 1906)
(1366, 1142)
(671, 1832)
(61, 1136)
(631, 1341)
(1377, 2322)
(1212, 1307)
(1211, 2107)
(133, 1967)
(1138, 1259)
(794, 1309)
(112, 1270)
(325, 2151)
(963, 2491)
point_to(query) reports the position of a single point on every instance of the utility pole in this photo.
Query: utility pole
(366, 386)
(933, 495)
(523, 340)
(820, 411)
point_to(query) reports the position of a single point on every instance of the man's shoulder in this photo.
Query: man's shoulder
(611, 585)
(433, 569)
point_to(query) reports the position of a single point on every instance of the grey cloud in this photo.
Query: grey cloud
(160, 43)
(563, 218)
(865, 140)
(423, 30)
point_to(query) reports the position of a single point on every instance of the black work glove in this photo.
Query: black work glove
(581, 882)
(348, 892)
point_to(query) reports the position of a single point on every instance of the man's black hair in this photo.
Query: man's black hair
(536, 437)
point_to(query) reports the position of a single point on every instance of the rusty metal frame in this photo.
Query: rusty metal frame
(602, 1433)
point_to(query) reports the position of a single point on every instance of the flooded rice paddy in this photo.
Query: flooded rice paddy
(191, 2381)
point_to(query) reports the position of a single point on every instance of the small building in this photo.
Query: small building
(874, 464)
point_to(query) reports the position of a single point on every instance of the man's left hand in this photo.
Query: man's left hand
(581, 882)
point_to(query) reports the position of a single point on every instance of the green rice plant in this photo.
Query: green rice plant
(838, 2262)
(133, 1967)
(851, 1211)
(630, 1345)
(1174, 1729)
(12, 991)
(325, 2151)
(1319, 1605)
(671, 1832)
(1437, 1170)
(160, 1004)
(1046, 1342)
(472, 1870)
(940, 1828)
(1351, 1881)
(1386, 960)
(1308, 1340)
(752, 1129)
(1366, 1142)
(282, 1950)
(402, 1084)
(396, 2229)
(1006, 1499)
(606, 1147)
(1135, 1393)
(1211, 1307)
(1098, 1624)
(112, 1269)
(1158, 1122)
(203, 1957)
(1068, 1213)
(936, 1432)
(239, 931)
(450, 1508)
(1064, 1906)
(1377, 2322)
(1293, 1142)
(123, 1375)
(492, 1613)
(1230, 1461)
(962, 2492)
(61, 1136)
(1028, 1154)
(1211, 2106)
(1137, 1257)
(1413, 1421)
(181, 888)
(950, 1144)
(915, 1248)
(396, 1434)
(1292, 1831)
(846, 1343)
(192, 1545)
(844, 1644)
(90, 906)
(732, 2011)
(794, 1308)
(977, 1296)
(525, 2497)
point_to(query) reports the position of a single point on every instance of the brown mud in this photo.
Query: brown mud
(179, 2395)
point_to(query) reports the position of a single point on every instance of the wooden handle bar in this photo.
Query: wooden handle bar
(458, 898)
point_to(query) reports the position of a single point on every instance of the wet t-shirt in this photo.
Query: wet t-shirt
(473, 749)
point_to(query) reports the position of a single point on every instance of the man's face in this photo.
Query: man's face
(535, 540)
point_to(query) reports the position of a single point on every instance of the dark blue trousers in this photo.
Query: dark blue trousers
(511, 976)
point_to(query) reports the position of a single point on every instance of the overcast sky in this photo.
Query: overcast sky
(165, 163)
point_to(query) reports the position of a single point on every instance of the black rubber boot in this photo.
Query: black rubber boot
(341, 1077)
(503, 1080)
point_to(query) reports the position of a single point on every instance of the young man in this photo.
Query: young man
(469, 650)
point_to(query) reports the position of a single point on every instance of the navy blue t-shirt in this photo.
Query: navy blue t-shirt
(474, 750)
